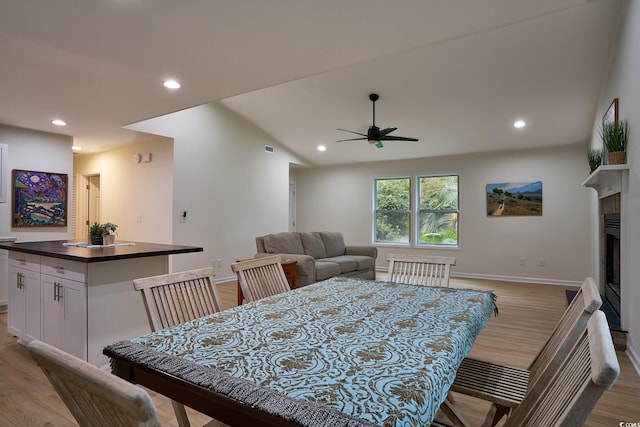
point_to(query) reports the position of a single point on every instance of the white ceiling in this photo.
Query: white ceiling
(454, 74)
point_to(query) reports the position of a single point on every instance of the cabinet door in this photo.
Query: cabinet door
(64, 309)
(16, 303)
(24, 304)
(32, 307)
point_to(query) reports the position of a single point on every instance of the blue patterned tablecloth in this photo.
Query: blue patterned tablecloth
(358, 351)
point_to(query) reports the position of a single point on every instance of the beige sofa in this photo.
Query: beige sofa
(320, 255)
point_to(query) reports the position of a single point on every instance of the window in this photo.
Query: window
(438, 210)
(392, 216)
(432, 211)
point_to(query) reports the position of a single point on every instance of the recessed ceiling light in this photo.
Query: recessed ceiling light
(519, 124)
(76, 148)
(322, 148)
(171, 84)
(58, 122)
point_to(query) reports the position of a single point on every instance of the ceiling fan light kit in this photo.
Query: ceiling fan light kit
(375, 135)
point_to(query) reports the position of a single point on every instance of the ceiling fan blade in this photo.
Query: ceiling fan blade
(350, 131)
(398, 138)
(352, 139)
(386, 131)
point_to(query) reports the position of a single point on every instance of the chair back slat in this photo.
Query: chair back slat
(589, 369)
(567, 331)
(261, 277)
(175, 298)
(94, 397)
(420, 270)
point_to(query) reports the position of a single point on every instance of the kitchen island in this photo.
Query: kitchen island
(80, 298)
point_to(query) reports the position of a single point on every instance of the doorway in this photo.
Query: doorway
(89, 205)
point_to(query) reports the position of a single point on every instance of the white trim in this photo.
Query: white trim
(535, 280)
(225, 279)
(4, 173)
(633, 356)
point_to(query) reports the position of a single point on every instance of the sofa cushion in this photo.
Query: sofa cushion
(312, 244)
(363, 262)
(346, 264)
(333, 243)
(326, 270)
(283, 243)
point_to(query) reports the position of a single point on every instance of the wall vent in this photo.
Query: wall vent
(268, 149)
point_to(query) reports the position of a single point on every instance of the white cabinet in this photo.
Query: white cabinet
(64, 315)
(64, 305)
(24, 296)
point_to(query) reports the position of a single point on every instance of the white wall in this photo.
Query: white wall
(130, 190)
(622, 82)
(38, 151)
(340, 198)
(231, 189)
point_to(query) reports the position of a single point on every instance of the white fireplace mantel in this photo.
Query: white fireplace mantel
(606, 180)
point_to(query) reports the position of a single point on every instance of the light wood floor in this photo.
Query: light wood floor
(527, 315)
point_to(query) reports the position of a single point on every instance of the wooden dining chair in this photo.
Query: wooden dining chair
(420, 270)
(95, 397)
(261, 277)
(175, 298)
(573, 390)
(506, 386)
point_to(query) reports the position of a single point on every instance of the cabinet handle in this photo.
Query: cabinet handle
(59, 270)
(56, 291)
(19, 284)
(59, 292)
(22, 261)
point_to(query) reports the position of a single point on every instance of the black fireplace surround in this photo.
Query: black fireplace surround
(612, 261)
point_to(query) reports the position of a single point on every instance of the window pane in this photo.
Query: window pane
(392, 227)
(392, 210)
(438, 228)
(439, 192)
(438, 210)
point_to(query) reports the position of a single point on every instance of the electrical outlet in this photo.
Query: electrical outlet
(523, 261)
(183, 217)
(541, 262)
(218, 263)
(139, 218)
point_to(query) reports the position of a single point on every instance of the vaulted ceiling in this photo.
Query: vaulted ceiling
(454, 74)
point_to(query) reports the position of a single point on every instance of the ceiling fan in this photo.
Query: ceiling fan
(375, 135)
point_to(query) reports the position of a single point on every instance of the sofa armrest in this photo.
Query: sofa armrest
(305, 267)
(371, 251)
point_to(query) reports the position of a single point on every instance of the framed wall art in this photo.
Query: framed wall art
(39, 199)
(514, 199)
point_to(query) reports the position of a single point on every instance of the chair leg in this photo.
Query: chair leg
(181, 414)
(495, 414)
(452, 413)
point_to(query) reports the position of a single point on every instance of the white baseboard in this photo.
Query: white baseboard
(537, 280)
(634, 357)
(227, 279)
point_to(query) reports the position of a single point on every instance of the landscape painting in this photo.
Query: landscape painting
(514, 199)
(39, 199)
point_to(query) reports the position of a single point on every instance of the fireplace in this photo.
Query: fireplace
(612, 262)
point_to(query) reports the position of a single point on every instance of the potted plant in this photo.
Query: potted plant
(594, 158)
(99, 233)
(109, 233)
(614, 138)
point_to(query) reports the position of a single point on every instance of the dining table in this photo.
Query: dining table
(341, 352)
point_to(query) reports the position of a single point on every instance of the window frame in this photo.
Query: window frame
(375, 212)
(418, 211)
(414, 212)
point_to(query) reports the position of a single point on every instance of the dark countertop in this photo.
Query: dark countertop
(56, 249)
